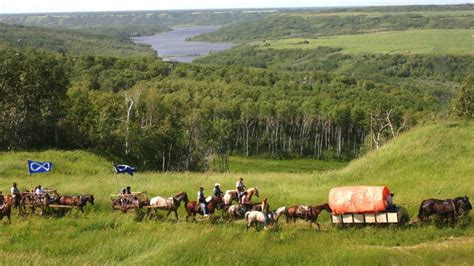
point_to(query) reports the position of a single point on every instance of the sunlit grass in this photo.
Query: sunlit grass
(429, 41)
(432, 161)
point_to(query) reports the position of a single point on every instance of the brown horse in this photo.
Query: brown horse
(445, 209)
(76, 201)
(170, 204)
(307, 213)
(6, 208)
(193, 207)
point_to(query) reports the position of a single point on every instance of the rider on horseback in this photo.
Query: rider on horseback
(217, 192)
(240, 188)
(245, 205)
(202, 200)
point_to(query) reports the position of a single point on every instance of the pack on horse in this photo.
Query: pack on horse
(6, 208)
(170, 204)
(76, 201)
(231, 195)
(238, 211)
(307, 213)
(193, 208)
(445, 209)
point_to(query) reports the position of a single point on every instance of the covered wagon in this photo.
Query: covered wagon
(362, 205)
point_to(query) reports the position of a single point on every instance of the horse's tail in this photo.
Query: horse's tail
(420, 211)
(247, 215)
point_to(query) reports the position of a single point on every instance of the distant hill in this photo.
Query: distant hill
(70, 41)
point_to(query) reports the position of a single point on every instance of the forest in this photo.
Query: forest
(68, 87)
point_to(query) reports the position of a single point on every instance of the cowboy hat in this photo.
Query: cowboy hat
(217, 185)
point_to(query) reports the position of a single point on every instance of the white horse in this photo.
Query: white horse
(255, 217)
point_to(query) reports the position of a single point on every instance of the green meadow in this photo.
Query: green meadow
(430, 161)
(426, 41)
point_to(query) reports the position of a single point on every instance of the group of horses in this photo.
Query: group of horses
(253, 213)
(258, 213)
(30, 203)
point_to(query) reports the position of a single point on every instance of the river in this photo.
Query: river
(172, 45)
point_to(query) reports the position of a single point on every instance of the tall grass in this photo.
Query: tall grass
(432, 161)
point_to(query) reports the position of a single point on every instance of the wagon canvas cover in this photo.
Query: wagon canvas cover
(358, 199)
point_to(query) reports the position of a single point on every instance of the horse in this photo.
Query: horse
(238, 211)
(306, 213)
(170, 204)
(6, 208)
(255, 217)
(231, 195)
(76, 201)
(193, 207)
(446, 209)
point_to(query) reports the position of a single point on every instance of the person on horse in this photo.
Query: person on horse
(202, 200)
(240, 187)
(16, 195)
(217, 192)
(245, 203)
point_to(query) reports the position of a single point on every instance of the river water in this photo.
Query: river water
(172, 46)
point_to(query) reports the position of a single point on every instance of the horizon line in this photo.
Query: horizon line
(226, 9)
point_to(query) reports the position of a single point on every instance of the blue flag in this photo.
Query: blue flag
(123, 168)
(39, 167)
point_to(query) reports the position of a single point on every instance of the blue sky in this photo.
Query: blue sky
(32, 6)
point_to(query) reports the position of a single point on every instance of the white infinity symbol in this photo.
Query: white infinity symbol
(37, 166)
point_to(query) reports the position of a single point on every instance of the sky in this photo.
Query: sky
(40, 6)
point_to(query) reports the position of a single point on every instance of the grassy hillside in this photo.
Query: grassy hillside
(431, 161)
(433, 41)
(314, 24)
(72, 41)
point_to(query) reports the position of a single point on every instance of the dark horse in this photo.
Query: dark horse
(307, 213)
(6, 208)
(193, 208)
(76, 201)
(446, 209)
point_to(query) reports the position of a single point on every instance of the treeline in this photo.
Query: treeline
(376, 67)
(165, 117)
(71, 42)
(131, 23)
(314, 25)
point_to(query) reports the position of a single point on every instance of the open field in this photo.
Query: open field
(239, 164)
(432, 161)
(429, 41)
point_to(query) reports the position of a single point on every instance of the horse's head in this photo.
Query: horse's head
(90, 198)
(181, 196)
(327, 208)
(464, 204)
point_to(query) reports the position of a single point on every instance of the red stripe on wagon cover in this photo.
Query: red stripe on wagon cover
(358, 199)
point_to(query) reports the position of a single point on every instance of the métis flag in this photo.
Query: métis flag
(123, 168)
(39, 167)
